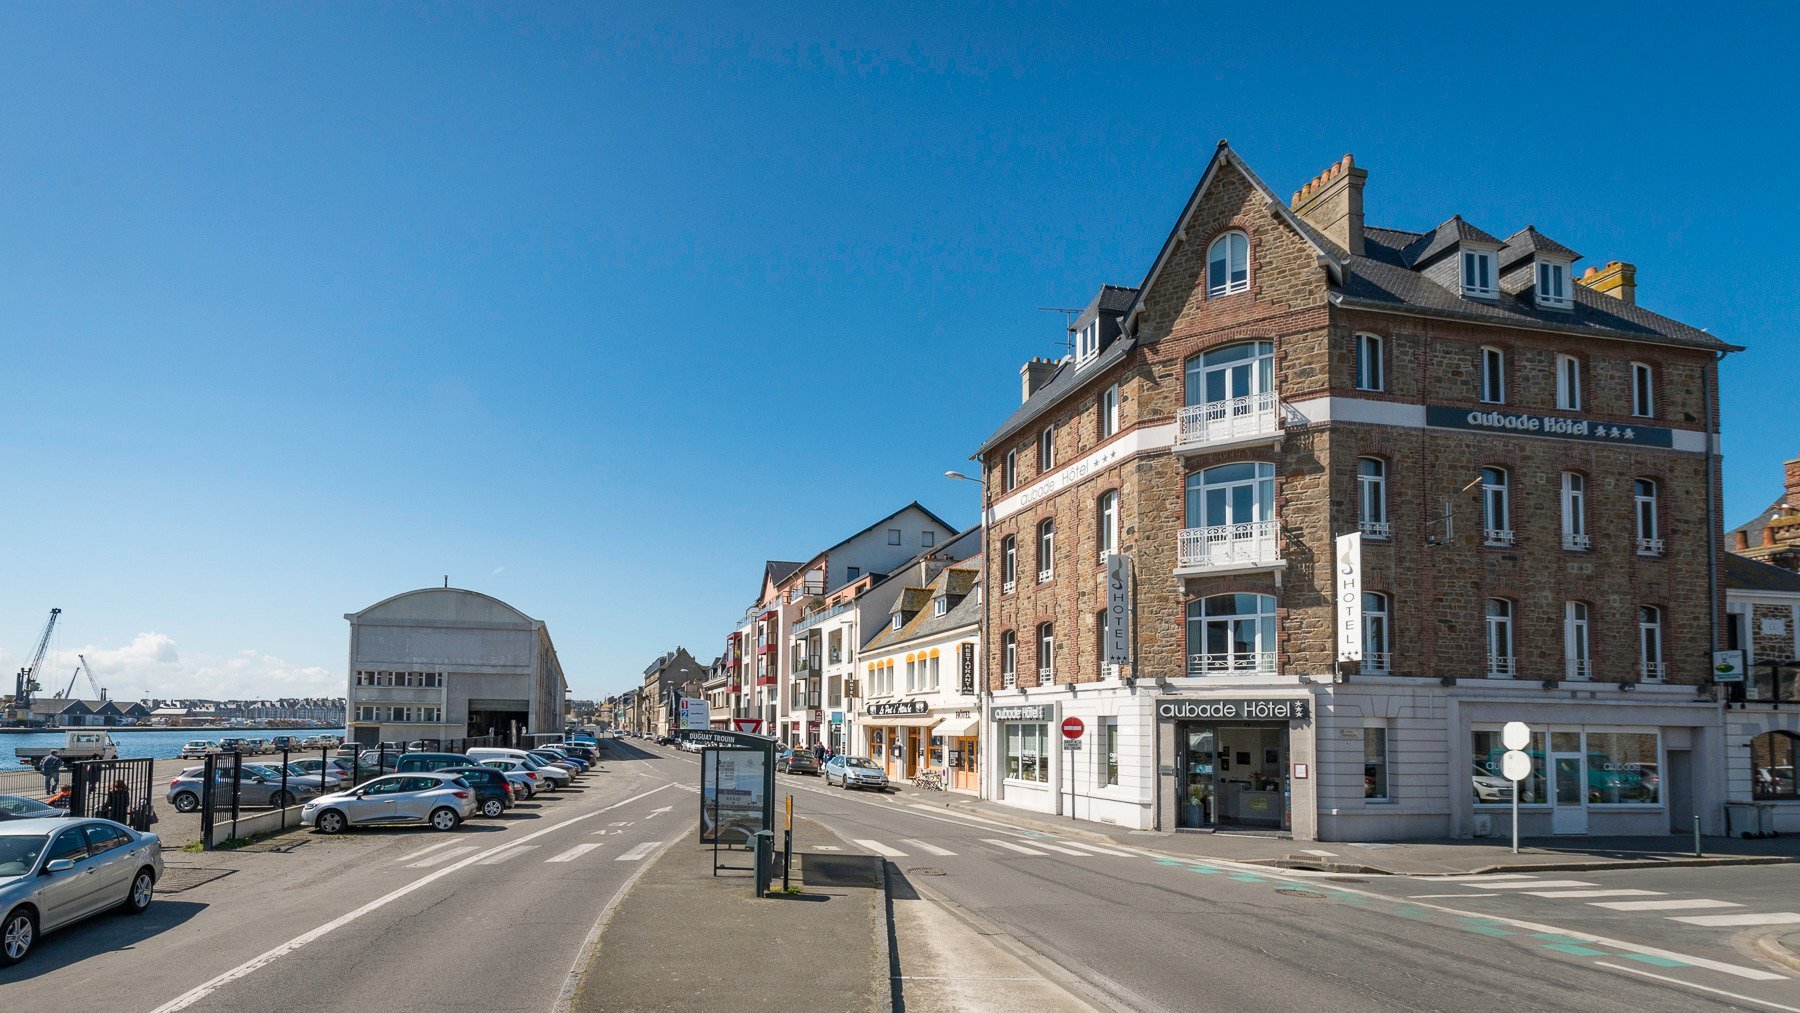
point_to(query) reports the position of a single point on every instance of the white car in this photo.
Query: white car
(1489, 788)
(554, 777)
(529, 782)
(197, 749)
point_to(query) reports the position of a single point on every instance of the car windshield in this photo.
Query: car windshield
(861, 761)
(532, 763)
(258, 770)
(18, 853)
(14, 805)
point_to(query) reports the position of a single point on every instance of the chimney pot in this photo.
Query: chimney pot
(1332, 202)
(1618, 279)
(1740, 541)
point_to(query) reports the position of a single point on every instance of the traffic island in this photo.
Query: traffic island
(684, 938)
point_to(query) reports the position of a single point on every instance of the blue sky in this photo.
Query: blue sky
(594, 309)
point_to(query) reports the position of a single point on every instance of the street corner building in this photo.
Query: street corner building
(1527, 460)
(443, 662)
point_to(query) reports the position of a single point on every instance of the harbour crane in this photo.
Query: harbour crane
(93, 683)
(27, 682)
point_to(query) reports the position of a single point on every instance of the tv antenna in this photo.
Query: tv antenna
(1069, 314)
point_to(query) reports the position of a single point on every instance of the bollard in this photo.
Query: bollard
(763, 844)
(1697, 837)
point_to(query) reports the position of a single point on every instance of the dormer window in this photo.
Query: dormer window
(894, 623)
(1228, 265)
(1478, 274)
(1553, 284)
(1087, 342)
(940, 606)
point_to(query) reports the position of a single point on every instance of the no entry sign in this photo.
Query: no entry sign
(1072, 728)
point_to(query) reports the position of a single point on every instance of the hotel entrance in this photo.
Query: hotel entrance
(1232, 776)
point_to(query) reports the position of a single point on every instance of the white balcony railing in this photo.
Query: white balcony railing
(1650, 546)
(1044, 674)
(1578, 668)
(1254, 545)
(1008, 586)
(1045, 575)
(1497, 536)
(1502, 666)
(1260, 662)
(1252, 418)
(1377, 663)
(1576, 542)
(1652, 671)
(1382, 530)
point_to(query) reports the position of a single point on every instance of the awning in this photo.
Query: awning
(959, 727)
(908, 721)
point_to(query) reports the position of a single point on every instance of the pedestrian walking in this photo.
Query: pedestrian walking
(51, 768)
(819, 751)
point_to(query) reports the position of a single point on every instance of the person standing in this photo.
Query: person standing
(118, 802)
(51, 768)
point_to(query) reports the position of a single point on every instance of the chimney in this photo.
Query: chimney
(1333, 203)
(1032, 376)
(1617, 279)
(1740, 540)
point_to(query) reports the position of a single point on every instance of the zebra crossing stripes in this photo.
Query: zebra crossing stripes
(575, 852)
(639, 852)
(1059, 849)
(881, 849)
(929, 849)
(1661, 905)
(443, 856)
(1097, 849)
(1542, 884)
(1592, 893)
(508, 855)
(1654, 903)
(1008, 845)
(1736, 921)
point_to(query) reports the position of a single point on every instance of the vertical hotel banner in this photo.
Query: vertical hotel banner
(1349, 597)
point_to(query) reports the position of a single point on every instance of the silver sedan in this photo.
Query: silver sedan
(57, 871)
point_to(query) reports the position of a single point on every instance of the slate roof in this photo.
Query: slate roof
(1755, 525)
(1428, 246)
(1111, 298)
(960, 578)
(1529, 242)
(777, 570)
(1745, 574)
(1063, 382)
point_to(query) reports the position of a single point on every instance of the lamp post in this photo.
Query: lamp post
(986, 579)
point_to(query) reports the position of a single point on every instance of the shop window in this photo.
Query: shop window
(1486, 749)
(1772, 766)
(1623, 768)
(1109, 747)
(1375, 764)
(1027, 752)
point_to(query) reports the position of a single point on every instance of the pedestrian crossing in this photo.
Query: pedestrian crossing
(1033, 847)
(1703, 912)
(449, 851)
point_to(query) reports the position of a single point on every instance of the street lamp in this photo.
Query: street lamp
(986, 578)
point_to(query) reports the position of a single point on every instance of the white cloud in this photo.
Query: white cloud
(151, 665)
(498, 570)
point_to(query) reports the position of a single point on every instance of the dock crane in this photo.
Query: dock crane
(27, 681)
(93, 683)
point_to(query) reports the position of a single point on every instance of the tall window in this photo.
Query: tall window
(1369, 374)
(1109, 411)
(1500, 658)
(1009, 659)
(1009, 564)
(1241, 493)
(1046, 549)
(1377, 654)
(1574, 512)
(1650, 645)
(1478, 273)
(1643, 390)
(1649, 533)
(1493, 375)
(1375, 763)
(1047, 449)
(1228, 265)
(1577, 663)
(1240, 376)
(1103, 669)
(1496, 517)
(1027, 749)
(1046, 652)
(1109, 750)
(1568, 383)
(1087, 341)
(1009, 470)
(931, 680)
(1371, 497)
(1106, 523)
(1772, 766)
(1231, 633)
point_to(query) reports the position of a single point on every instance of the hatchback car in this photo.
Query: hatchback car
(493, 792)
(560, 759)
(18, 807)
(57, 871)
(855, 772)
(530, 782)
(795, 761)
(440, 800)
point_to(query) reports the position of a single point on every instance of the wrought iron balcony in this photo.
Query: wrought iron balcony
(1501, 666)
(1578, 668)
(1224, 548)
(1380, 530)
(1653, 671)
(1650, 546)
(1497, 536)
(1232, 663)
(1577, 542)
(1377, 663)
(1239, 421)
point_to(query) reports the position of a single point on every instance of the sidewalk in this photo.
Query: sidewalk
(683, 939)
(1409, 858)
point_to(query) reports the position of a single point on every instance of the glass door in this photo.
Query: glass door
(1195, 802)
(1226, 375)
(1568, 787)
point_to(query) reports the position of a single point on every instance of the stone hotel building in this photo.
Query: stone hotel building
(1528, 456)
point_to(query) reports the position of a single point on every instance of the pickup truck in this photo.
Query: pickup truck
(77, 745)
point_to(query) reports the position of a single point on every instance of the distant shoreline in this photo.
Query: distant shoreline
(116, 729)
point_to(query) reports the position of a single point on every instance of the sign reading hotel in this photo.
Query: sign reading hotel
(1118, 610)
(1553, 426)
(1349, 597)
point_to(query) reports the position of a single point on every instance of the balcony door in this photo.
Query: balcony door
(1227, 374)
(1231, 494)
(1568, 784)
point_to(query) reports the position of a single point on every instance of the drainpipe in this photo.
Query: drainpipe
(1712, 522)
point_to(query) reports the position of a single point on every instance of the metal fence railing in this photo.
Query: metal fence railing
(118, 790)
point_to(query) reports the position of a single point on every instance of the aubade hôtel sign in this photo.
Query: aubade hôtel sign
(1553, 426)
(1235, 710)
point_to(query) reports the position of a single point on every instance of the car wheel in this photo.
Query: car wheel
(493, 808)
(143, 888)
(17, 935)
(444, 819)
(330, 822)
(186, 802)
(282, 799)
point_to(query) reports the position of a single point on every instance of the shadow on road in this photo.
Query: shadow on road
(98, 936)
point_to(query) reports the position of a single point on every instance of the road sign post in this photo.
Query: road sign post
(1072, 729)
(1515, 766)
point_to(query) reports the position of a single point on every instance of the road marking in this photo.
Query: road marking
(513, 852)
(1477, 878)
(1726, 921)
(1321, 854)
(1660, 905)
(658, 812)
(930, 849)
(1020, 848)
(573, 853)
(1098, 848)
(623, 823)
(1445, 896)
(826, 847)
(254, 964)
(1703, 988)
(1543, 884)
(1059, 849)
(1594, 893)
(638, 852)
(880, 849)
(426, 851)
(443, 856)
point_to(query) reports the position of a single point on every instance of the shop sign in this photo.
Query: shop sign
(1728, 666)
(1553, 426)
(1349, 597)
(889, 708)
(1235, 710)
(968, 667)
(837, 717)
(1023, 712)
(1117, 634)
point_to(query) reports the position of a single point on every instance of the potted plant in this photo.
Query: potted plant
(1195, 808)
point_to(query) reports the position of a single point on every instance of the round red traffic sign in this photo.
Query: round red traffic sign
(1072, 728)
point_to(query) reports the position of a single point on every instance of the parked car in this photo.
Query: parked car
(559, 777)
(549, 755)
(280, 743)
(234, 743)
(56, 871)
(583, 750)
(18, 807)
(259, 786)
(331, 780)
(493, 792)
(322, 742)
(796, 761)
(409, 762)
(197, 749)
(855, 772)
(339, 767)
(439, 800)
(529, 782)
(1488, 786)
(375, 759)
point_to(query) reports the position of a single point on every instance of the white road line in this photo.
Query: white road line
(573, 853)
(1477, 878)
(254, 964)
(638, 852)
(1098, 848)
(426, 851)
(1703, 988)
(1021, 849)
(508, 853)
(1445, 896)
(930, 849)
(1729, 921)
(880, 848)
(826, 847)
(1660, 905)
(1321, 854)
(443, 856)
(1594, 893)
(1059, 849)
(1541, 884)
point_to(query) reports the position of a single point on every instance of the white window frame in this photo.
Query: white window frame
(1502, 663)
(1377, 610)
(1046, 646)
(1009, 563)
(1371, 371)
(1087, 342)
(1574, 512)
(893, 536)
(1108, 753)
(1578, 644)
(1568, 383)
(1646, 517)
(1109, 412)
(940, 605)
(1652, 662)
(1553, 284)
(1009, 659)
(1046, 532)
(1106, 523)
(1387, 768)
(1228, 285)
(1493, 375)
(1009, 470)
(1047, 449)
(1371, 499)
(1477, 266)
(1496, 506)
(1643, 390)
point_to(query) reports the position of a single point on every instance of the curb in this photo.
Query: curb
(565, 999)
(887, 960)
(1771, 947)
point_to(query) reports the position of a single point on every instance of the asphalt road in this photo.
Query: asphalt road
(490, 916)
(1148, 932)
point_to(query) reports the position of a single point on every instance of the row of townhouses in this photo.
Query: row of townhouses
(65, 712)
(1305, 517)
